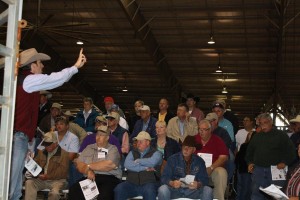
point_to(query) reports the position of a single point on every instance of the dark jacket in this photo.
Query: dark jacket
(240, 162)
(168, 116)
(45, 124)
(44, 111)
(138, 127)
(224, 135)
(119, 132)
(142, 177)
(89, 124)
(132, 120)
(176, 169)
(171, 147)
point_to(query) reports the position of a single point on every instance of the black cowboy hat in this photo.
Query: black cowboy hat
(188, 96)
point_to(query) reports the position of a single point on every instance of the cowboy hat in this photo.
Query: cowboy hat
(46, 93)
(31, 55)
(190, 96)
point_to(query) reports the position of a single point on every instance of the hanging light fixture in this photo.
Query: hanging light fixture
(105, 69)
(125, 89)
(211, 36)
(219, 68)
(125, 81)
(224, 91)
(79, 42)
(211, 40)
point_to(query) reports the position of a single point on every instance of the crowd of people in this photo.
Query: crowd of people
(160, 155)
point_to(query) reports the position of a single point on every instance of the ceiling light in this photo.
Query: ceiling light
(125, 89)
(227, 80)
(79, 42)
(219, 68)
(211, 37)
(224, 91)
(104, 69)
(211, 40)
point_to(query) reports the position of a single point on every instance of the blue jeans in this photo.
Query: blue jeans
(127, 190)
(243, 186)
(166, 192)
(261, 177)
(19, 152)
(74, 174)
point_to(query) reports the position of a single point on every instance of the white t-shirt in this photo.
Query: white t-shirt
(123, 123)
(240, 137)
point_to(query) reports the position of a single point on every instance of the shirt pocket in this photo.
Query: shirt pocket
(179, 171)
(195, 170)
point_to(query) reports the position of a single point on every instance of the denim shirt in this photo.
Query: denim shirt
(175, 169)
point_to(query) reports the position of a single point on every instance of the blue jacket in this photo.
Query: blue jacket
(175, 169)
(138, 127)
(89, 125)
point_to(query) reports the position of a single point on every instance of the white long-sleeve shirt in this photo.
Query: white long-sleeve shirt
(37, 82)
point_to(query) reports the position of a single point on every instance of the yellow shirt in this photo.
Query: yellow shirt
(161, 117)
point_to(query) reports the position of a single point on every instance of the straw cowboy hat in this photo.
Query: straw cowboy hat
(31, 55)
(68, 113)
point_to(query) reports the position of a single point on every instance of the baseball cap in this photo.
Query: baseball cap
(145, 107)
(211, 116)
(143, 135)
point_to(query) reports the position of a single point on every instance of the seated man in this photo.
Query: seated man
(146, 123)
(143, 165)
(119, 132)
(91, 139)
(68, 142)
(86, 117)
(99, 162)
(75, 128)
(214, 145)
(55, 163)
(179, 166)
(182, 125)
(48, 122)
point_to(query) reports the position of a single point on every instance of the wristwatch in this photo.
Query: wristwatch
(88, 168)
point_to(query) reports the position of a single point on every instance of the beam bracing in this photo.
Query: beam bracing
(137, 20)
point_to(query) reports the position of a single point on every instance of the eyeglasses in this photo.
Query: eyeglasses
(204, 129)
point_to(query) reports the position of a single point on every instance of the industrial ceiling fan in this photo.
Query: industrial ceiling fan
(49, 31)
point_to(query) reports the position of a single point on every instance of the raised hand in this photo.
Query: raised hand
(81, 59)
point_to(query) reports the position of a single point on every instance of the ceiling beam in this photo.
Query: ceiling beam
(143, 31)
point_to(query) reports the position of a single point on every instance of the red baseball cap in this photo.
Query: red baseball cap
(108, 99)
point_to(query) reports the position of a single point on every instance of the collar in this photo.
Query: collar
(94, 146)
(145, 151)
(147, 122)
(89, 112)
